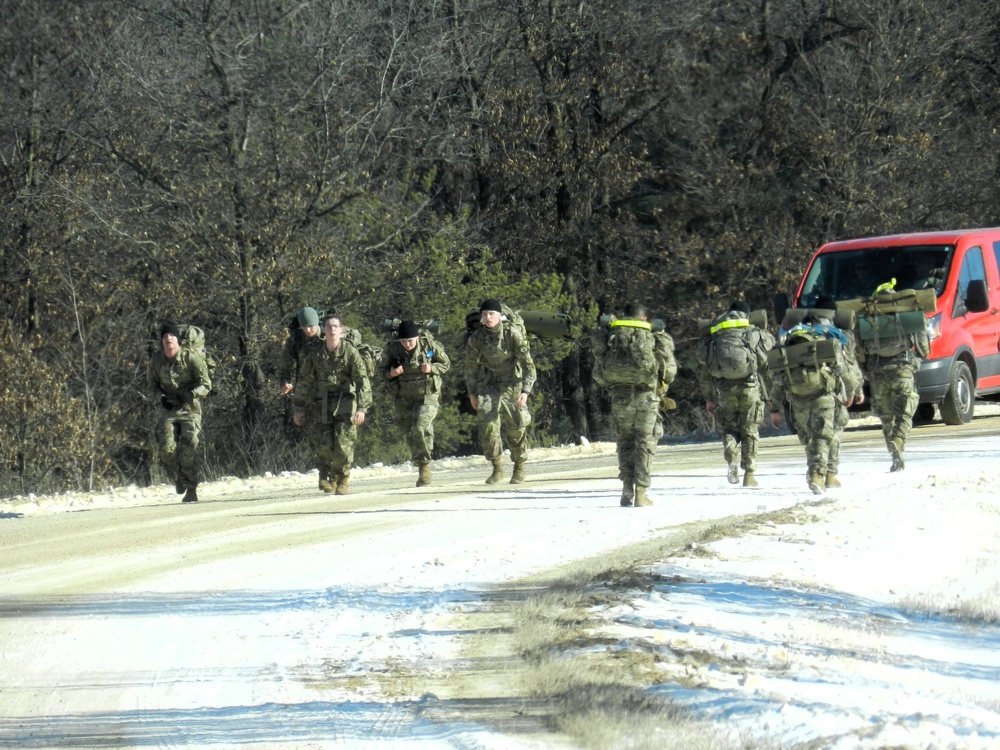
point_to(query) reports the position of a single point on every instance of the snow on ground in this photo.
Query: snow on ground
(809, 626)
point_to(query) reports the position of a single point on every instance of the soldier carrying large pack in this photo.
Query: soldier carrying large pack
(303, 331)
(732, 354)
(892, 333)
(331, 399)
(499, 376)
(412, 363)
(636, 364)
(815, 369)
(178, 376)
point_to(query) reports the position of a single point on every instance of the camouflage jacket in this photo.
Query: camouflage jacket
(187, 371)
(333, 375)
(293, 354)
(413, 382)
(498, 358)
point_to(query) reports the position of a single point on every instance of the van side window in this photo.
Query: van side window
(973, 268)
(996, 252)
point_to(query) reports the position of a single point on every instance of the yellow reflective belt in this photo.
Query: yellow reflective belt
(629, 323)
(889, 286)
(735, 323)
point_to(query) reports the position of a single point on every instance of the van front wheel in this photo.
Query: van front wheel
(958, 403)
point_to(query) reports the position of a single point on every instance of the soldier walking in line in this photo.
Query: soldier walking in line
(178, 378)
(331, 399)
(635, 364)
(304, 334)
(819, 395)
(413, 364)
(890, 365)
(733, 366)
(499, 376)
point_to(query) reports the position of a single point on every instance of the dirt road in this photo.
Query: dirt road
(270, 613)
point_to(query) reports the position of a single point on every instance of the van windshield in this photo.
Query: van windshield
(858, 273)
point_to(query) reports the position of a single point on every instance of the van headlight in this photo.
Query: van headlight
(934, 326)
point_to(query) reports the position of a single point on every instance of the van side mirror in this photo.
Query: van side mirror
(977, 298)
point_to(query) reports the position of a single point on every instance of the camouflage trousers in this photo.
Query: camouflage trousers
(333, 438)
(820, 422)
(177, 432)
(738, 411)
(895, 399)
(635, 418)
(499, 419)
(415, 417)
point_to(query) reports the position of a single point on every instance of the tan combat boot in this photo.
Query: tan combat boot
(641, 499)
(817, 484)
(497, 474)
(832, 482)
(343, 484)
(896, 451)
(324, 482)
(628, 494)
(518, 476)
(734, 473)
(748, 479)
(424, 476)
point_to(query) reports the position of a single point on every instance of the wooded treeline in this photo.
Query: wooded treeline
(224, 162)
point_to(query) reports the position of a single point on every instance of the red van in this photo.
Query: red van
(961, 267)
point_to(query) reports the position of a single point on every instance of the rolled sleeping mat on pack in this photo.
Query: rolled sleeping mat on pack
(905, 300)
(806, 354)
(842, 317)
(757, 318)
(546, 325)
(890, 325)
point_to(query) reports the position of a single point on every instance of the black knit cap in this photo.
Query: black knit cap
(171, 329)
(493, 305)
(407, 330)
(740, 306)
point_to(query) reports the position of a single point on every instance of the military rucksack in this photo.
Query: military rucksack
(192, 339)
(369, 354)
(727, 351)
(628, 357)
(804, 365)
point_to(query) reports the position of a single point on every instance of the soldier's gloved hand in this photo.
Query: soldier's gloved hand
(185, 397)
(166, 403)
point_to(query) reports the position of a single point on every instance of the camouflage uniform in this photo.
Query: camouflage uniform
(635, 409)
(333, 386)
(498, 369)
(739, 404)
(415, 394)
(293, 354)
(179, 424)
(820, 419)
(893, 389)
